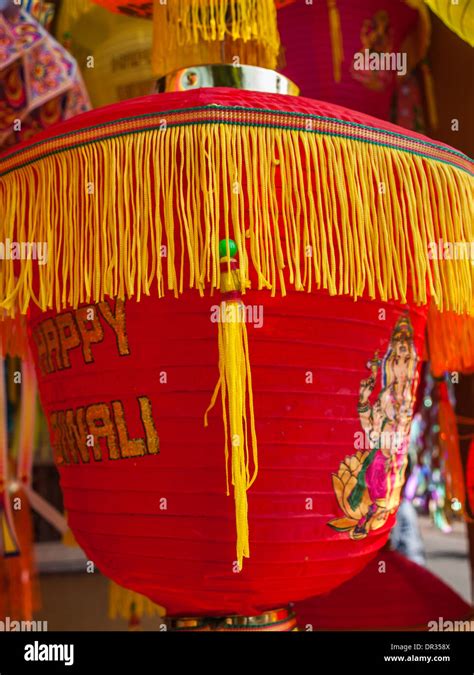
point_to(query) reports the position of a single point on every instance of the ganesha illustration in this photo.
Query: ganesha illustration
(369, 482)
(376, 38)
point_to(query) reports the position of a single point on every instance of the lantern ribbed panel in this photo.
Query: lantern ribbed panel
(182, 557)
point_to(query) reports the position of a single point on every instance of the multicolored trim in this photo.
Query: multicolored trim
(236, 115)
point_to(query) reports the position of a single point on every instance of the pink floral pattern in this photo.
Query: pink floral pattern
(40, 83)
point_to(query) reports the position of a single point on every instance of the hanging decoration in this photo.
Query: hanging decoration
(244, 260)
(205, 32)
(438, 486)
(39, 81)
(451, 339)
(131, 606)
(141, 423)
(458, 16)
(112, 50)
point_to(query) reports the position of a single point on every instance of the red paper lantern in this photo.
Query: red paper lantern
(392, 593)
(161, 523)
(126, 384)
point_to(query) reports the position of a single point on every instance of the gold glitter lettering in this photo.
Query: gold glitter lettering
(58, 454)
(100, 425)
(152, 439)
(42, 347)
(91, 330)
(78, 433)
(53, 344)
(117, 322)
(68, 335)
(128, 447)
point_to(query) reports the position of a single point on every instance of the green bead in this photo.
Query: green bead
(226, 247)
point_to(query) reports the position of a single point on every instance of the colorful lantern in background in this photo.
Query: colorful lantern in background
(391, 593)
(112, 50)
(451, 341)
(458, 16)
(130, 606)
(39, 81)
(361, 55)
(205, 32)
(208, 232)
(449, 445)
(42, 11)
(437, 485)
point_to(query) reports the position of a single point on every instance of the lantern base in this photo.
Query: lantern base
(276, 620)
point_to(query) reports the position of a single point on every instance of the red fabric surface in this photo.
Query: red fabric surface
(142, 9)
(182, 557)
(405, 596)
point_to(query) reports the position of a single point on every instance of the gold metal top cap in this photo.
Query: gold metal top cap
(250, 78)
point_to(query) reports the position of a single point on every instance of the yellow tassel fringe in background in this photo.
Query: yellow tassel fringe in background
(458, 15)
(121, 601)
(201, 32)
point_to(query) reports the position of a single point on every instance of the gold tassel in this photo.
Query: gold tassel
(201, 32)
(430, 97)
(235, 386)
(126, 604)
(336, 38)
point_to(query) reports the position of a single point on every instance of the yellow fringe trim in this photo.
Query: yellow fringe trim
(451, 342)
(330, 225)
(121, 601)
(200, 32)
